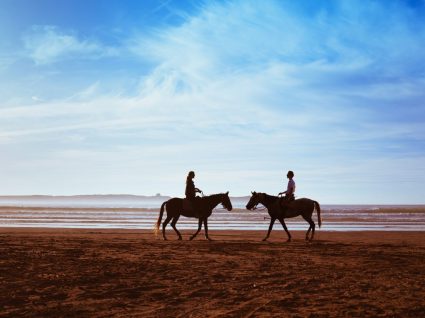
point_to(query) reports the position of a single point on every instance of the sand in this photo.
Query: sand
(99, 273)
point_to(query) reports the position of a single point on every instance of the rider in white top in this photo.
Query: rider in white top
(290, 191)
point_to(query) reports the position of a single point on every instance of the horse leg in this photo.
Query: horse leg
(311, 228)
(168, 219)
(199, 228)
(206, 229)
(173, 224)
(308, 232)
(270, 228)
(282, 221)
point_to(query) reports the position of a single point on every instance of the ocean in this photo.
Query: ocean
(139, 212)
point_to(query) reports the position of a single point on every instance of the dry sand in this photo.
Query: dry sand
(98, 273)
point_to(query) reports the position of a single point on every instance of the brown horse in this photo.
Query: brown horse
(204, 206)
(304, 207)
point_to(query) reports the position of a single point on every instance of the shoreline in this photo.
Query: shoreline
(233, 234)
(230, 235)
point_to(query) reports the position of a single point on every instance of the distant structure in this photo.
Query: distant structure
(158, 194)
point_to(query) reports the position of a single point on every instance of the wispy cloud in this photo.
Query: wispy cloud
(332, 67)
(48, 44)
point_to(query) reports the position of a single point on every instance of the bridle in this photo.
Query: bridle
(254, 208)
(224, 205)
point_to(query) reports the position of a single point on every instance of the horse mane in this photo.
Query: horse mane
(268, 197)
(212, 195)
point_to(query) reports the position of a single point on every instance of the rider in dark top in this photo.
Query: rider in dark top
(289, 193)
(190, 187)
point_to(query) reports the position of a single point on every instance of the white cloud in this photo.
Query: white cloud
(241, 64)
(48, 44)
(36, 99)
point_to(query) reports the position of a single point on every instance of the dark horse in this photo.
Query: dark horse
(204, 206)
(303, 207)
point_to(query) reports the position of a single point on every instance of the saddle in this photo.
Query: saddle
(188, 206)
(284, 203)
(191, 206)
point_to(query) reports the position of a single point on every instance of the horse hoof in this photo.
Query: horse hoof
(264, 239)
(288, 240)
(191, 238)
(179, 239)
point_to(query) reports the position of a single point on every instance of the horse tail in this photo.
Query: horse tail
(158, 223)
(317, 207)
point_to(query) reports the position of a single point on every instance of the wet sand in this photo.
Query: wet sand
(129, 273)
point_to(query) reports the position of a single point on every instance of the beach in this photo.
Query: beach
(131, 273)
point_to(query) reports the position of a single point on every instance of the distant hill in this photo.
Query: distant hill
(84, 197)
(89, 197)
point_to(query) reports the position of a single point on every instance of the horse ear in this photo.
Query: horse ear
(227, 193)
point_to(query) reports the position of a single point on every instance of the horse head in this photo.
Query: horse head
(225, 200)
(255, 199)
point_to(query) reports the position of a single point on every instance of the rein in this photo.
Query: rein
(259, 209)
(221, 209)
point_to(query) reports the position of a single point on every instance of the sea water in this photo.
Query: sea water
(133, 212)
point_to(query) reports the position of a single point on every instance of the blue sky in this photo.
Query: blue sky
(128, 96)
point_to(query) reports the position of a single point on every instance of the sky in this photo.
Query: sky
(126, 97)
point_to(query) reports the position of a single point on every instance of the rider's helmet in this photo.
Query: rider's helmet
(191, 174)
(290, 174)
